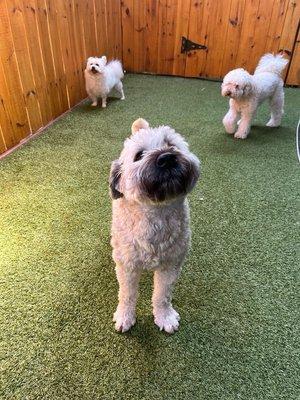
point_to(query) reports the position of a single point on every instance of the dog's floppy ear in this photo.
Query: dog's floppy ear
(139, 124)
(104, 59)
(114, 179)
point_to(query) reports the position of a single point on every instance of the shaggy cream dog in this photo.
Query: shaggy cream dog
(150, 226)
(101, 78)
(247, 92)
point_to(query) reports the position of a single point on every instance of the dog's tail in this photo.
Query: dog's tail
(271, 63)
(116, 66)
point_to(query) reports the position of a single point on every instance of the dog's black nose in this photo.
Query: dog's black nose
(166, 160)
(228, 93)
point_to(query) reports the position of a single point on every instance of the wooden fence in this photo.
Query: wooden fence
(44, 45)
(228, 33)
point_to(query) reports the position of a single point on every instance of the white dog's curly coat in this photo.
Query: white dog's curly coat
(150, 226)
(247, 92)
(101, 78)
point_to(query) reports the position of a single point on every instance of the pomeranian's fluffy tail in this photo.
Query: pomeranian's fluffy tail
(116, 66)
(270, 63)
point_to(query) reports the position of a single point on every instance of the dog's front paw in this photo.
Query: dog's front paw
(229, 127)
(273, 124)
(94, 104)
(240, 135)
(124, 320)
(123, 98)
(167, 319)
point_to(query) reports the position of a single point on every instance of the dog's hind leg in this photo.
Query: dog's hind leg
(103, 101)
(165, 317)
(229, 121)
(119, 88)
(124, 317)
(276, 105)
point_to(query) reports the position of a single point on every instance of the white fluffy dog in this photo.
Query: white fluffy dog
(101, 78)
(150, 226)
(247, 92)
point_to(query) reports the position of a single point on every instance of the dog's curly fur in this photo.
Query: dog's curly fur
(150, 226)
(101, 77)
(247, 92)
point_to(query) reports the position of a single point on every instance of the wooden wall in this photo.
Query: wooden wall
(293, 76)
(45, 43)
(234, 33)
(43, 49)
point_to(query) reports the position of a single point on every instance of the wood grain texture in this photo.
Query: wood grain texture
(29, 92)
(233, 33)
(127, 37)
(152, 31)
(181, 30)
(198, 27)
(139, 36)
(101, 27)
(151, 35)
(236, 33)
(3, 147)
(7, 124)
(262, 24)
(68, 51)
(277, 16)
(293, 75)
(289, 31)
(216, 38)
(47, 55)
(11, 91)
(57, 53)
(37, 62)
(167, 35)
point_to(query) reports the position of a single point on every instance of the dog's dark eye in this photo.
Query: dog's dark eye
(138, 156)
(169, 144)
(237, 86)
(97, 65)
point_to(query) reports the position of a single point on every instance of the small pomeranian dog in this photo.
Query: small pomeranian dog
(101, 77)
(247, 92)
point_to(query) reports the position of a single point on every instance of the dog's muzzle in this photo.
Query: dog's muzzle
(93, 70)
(166, 175)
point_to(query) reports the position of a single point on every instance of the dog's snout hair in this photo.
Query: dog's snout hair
(166, 160)
(166, 177)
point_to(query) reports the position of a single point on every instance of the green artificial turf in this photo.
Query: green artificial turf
(237, 295)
